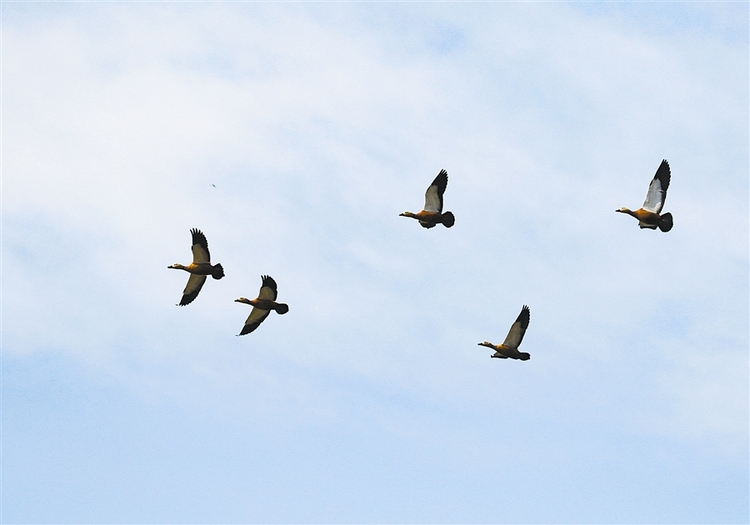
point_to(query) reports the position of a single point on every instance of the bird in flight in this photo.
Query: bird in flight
(432, 213)
(262, 305)
(199, 268)
(509, 348)
(649, 214)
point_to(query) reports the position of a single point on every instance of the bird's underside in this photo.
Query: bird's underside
(430, 219)
(503, 352)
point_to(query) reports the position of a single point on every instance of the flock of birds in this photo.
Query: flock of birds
(201, 268)
(649, 216)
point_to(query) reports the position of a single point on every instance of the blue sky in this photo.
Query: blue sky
(293, 134)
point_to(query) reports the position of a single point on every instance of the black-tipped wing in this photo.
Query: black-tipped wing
(194, 285)
(433, 198)
(200, 247)
(657, 190)
(268, 289)
(253, 320)
(518, 329)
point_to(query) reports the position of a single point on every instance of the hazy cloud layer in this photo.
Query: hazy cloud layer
(293, 135)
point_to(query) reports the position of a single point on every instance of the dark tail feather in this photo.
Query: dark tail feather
(282, 308)
(217, 272)
(524, 356)
(448, 219)
(665, 222)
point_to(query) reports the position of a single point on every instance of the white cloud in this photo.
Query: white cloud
(318, 125)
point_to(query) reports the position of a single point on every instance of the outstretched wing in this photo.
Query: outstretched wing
(194, 285)
(433, 198)
(200, 247)
(657, 190)
(253, 320)
(518, 329)
(268, 289)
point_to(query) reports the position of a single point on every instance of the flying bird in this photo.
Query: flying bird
(432, 213)
(648, 215)
(199, 268)
(262, 305)
(509, 348)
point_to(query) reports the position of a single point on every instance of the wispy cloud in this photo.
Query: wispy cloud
(293, 135)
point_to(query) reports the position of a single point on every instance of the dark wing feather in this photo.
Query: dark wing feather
(433, 197)
(523, 318)
(664, 174)
(657, 190)
(518, 329)
(193, 287)
(200, 247)
(268, 289)
(253, 321)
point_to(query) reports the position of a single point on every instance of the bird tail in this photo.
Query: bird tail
(524, 356)
(665, 222)
(282, 308)
(448, 219)
(217, 272)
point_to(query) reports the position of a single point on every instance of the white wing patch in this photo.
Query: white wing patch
(514, 336)
(433, 202)
(257, 315)
(199, 254)
(253, 321)
(657, 190)
(654, 197)
(518, 329)
(266, 292)
(194, 285)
